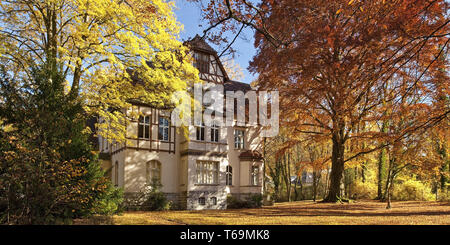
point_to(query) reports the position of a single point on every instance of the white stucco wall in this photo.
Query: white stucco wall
(178, 169)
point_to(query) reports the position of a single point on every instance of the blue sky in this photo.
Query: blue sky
(189, 14)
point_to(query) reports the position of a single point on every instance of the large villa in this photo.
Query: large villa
(198, 172)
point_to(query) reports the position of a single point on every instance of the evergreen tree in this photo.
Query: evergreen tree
(48, 168)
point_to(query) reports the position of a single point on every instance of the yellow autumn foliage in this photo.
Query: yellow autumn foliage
(96, 44)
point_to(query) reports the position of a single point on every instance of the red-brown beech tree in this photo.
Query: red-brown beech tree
(342, 64)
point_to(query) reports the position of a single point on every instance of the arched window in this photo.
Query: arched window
(116, 173)
(255, 175)
(229, 175)
(214, 200)
(153, 171)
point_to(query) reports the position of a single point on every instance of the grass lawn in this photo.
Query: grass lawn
(302, 213)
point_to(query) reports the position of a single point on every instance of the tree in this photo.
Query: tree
(97, 46)
(233, 69)
(48, 172)
(317, 160)
(338, 64)
(382, 163)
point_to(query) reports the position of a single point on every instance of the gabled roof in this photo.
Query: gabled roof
(198, 43)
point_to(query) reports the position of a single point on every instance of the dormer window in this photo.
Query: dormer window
(201, 62)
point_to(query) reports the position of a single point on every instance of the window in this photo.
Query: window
(229, 175)
(116, 174)
(200, 133)
(144, 127)
(214, 200)
(207, 172)
(202, 201)
(163, 129)
(153, 171)
(239, 139)
(255, 175)
(214, 133)
(201, 62)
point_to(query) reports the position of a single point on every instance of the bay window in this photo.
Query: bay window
(207, 172)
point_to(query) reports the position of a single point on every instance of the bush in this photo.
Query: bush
(412, 190)
(367, 190)
(152, 199)
(156, 201)
(252, 201)
(234, 203)
(43, 189)
(255, 200)
(267, 200)
(444, 196)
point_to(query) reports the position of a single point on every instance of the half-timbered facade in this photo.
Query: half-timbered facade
(197, 172)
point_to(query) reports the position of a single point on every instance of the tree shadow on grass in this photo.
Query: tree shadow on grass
(367, 209)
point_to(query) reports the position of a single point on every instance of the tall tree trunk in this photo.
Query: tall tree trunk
(314, 186)
(388, 206)
(264, 166)
(327, 183)
(389, 180)
(342, 190)
(288, 175)
(316, 180)
(382, 162)
(295, 189)
(337, 170)
(363, 171)
(75, 89)
(285, 176)
(389, 184)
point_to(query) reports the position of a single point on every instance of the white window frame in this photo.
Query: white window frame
(229, 175)
(207, 172)
(215, 133)
(144, 121)
(254, 176)
(165, 129)
(239, 139)
(200, 132)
